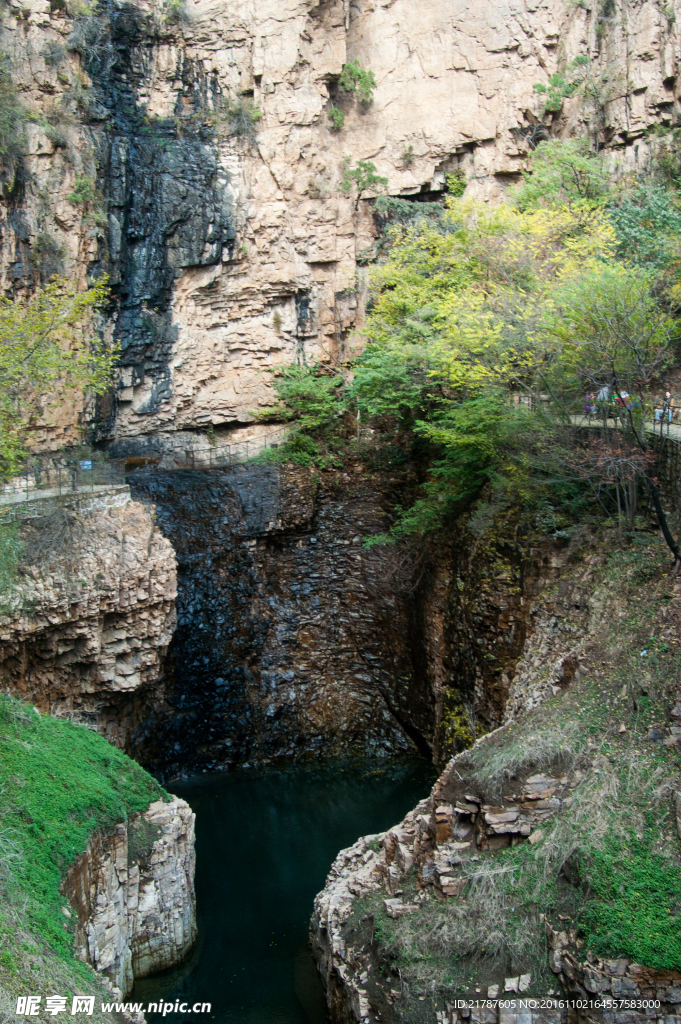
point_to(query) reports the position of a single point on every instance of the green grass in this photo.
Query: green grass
(636, 909)
(59, 783)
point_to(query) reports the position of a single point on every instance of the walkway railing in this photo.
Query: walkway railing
(218, 456)
(664, 429)
(46, 481)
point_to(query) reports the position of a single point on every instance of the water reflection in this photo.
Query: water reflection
(265, 843)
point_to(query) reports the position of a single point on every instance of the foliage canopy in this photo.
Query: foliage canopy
(47, 350)
(492, 329)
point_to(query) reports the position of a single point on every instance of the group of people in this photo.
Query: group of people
(608, 402)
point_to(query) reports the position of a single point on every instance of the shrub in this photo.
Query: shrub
(456, 184)
(312, 400)
(361, 179)
(91, 38)
(337, 119)
(357, 80)
(46, 351)
(54, 53)
(391, 209)
(562, 85)
(562, 172)
(47, 256)
(241, 117)
(175, 12)
(84, 192)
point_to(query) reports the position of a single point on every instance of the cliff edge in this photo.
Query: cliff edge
(545, 862)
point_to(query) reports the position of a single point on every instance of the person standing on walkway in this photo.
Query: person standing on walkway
(665, 414)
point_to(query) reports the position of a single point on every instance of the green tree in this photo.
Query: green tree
(562, 84)
(611, 333)
(84, 192)
(361, 179)
(477, 440)
(648, 225)
(47, 349)
(358, 81)
(459, 346)
(562, 172)
(311, 399)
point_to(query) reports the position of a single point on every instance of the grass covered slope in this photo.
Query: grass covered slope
(59, 783)
(604, 868)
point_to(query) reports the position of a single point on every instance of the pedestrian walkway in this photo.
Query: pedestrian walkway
(672, 430)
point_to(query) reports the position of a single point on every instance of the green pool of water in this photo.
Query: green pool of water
(264, 846)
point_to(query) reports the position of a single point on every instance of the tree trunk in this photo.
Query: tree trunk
(619, 510)
(664, 525)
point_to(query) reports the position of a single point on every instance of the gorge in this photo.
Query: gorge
(246, 614)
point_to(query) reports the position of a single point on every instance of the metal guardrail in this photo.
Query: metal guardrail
(217, 456)
(46, 481)
(49, 480)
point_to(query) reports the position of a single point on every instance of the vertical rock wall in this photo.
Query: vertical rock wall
(289, 642)
(230, 244)
(295, 640)
(93, 621)
(133, 893)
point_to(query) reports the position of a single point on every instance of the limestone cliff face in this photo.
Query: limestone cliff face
(231, 254)
(133, 894)
(95, 622)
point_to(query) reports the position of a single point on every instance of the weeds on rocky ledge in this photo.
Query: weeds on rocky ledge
(608, 864)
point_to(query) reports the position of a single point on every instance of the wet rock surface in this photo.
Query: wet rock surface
(168, 200)
(295, 640)
(288, 644)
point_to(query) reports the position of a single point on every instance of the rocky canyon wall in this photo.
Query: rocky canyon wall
(230, 246)
(279, 635)
(92, 618)
(290, 642)
(133, 895)
(415, 922)
(294, 640)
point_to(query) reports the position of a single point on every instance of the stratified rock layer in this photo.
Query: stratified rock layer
(290, 640)
(230, 244)
(506, 792)
(133, 893)
(94, 623)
